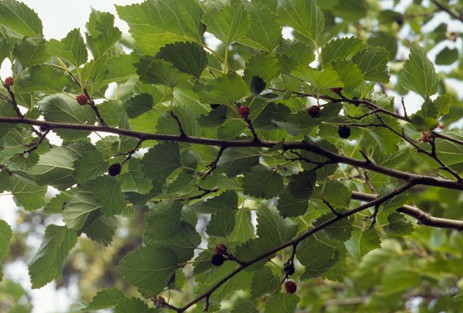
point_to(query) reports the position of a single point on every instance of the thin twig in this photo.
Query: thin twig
(447, 10)
(179, 124)
(35, 145)
(213, 164)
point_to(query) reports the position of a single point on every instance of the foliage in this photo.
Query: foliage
(266, 173)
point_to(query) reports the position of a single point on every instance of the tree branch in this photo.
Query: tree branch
(311, 147)
(447, 10)
(422, 217)
(375, 202)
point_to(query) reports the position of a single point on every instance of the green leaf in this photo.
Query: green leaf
(55, 168)
(398, 225)
(227, 200)
(187, 57)
(105, 298)
(90, 165)
(280, 302)
(398, 277)
(221, 224)
(245, 307)
(418, 73)
(102, 229)
(302, 15)
(372, 61)
(153, 24)
(317, 254)
(325, 79)
(81, 211)
(244, 228)
(132, 305)
(235, 161)
(290, 206)
(5, 237)
(263, 65)
(160, 161)
(224, 90)
(162, 220)
(31, 51)
(133, 180)
(20, 19)
(182, 241)
(149, 269)
(107, 191)
(340, 231)
(241, 281)
(335, 193)
(43, 78)
(164, 229)
(386, 41)
(155, 71)
(228, 23)
(49, 259)
(102, 34)
(349, 73)
(272, 227)
(26, 193)
(301, 185)
(362, 242)
(424, 123)
(71, 48)
(254, 248)
(341, 48)
(138, 104)
(263, 21)
(263, 282)
(262, 182)
(293, 53)
(62, 108)
(447, 56)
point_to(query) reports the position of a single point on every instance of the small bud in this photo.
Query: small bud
(82, 99)
(244, 111)
(9, 81)
(114, 169)
(336, 90)
(220, 249)
(344, 131)
(426, 137)
(217, 259)
(399, 20)
(314, 111)
(290, 287)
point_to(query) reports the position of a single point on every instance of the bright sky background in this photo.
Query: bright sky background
(58, 18)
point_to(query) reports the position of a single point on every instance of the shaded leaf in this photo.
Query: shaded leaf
(149, 269)
(187, 57)
(49, 259)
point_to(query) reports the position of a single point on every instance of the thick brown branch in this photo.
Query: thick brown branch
(332, 156)
(422, 217)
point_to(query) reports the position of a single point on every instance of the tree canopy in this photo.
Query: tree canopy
(237, 156)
